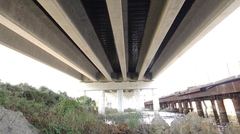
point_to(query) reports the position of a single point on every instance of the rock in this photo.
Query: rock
(187, 128)
(195, 120)
(14, 123)
(141, 129)
(122, 127)
(193, 124)
(159, 125)
(232, 129)
(208, 127)
(176, 124)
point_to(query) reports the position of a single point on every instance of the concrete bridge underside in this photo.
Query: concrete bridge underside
(109, 41)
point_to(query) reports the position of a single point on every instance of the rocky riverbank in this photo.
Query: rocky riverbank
(15, 123)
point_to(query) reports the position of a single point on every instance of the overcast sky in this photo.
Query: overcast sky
(214, 57)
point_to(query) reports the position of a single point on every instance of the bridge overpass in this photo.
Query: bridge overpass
(105, 42)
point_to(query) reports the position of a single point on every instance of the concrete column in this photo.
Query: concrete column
(138, 102)
(84, 93)
(120, 101)
(185, 107)
(155, 102)
(236, 104)
(180, 107)
(199, 108)
(101, 102)
(222, 112)
(215, 111)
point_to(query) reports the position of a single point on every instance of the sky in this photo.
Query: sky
(214, 57)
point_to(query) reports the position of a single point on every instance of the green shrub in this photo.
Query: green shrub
(110, 110)
(50, 112)
(131, 119)
(54, 113)
(130, 110)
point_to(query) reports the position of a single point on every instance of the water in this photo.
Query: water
(167, 116)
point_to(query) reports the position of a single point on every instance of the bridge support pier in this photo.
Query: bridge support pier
(222, 111)
(199, 108)
(151, 106)
(120, 101)
(180, 107)
(190, 105)
(101, 103)
(162, 106)
(215, 110)
(185, 107)
(155, 102)
(138, 100)
(165, 105)
(171, 105)
(236, 104)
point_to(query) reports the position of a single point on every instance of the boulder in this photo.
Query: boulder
(122, 127)
(159, 125)
(208, 127)
(232, 129)
(194, 124)
(15, 123)
(141, 129)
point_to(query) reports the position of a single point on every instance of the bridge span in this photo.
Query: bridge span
(109, 41)
(228, 88)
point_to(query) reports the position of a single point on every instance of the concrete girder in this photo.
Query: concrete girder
(203, 16)
(27, 20)
(121, 85)
(161, 15)
(22, 45)
(117, 13)
(73, 19)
